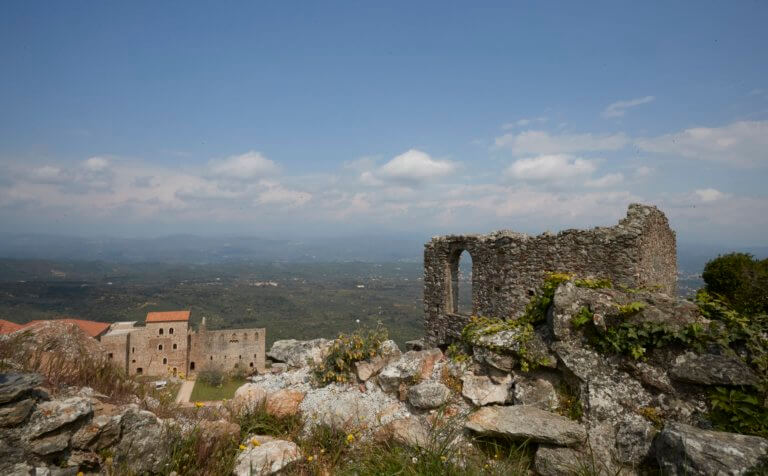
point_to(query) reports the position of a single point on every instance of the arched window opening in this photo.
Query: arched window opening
(160, 347)
(211, 357)
(191, 366)
(251, 364)
(174, 346)
(170, 330)
(165, 361)
(460, 296)
(160, 331)
(139, 370)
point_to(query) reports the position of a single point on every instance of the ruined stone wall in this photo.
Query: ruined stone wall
(116, 348)
(508, 268)
(157, 353)
(227, 350)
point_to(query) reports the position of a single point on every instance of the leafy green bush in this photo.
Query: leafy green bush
(739, 280)
(739, 410)
(338, 365)
(211, 375)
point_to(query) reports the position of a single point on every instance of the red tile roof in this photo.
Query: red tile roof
(168, 316)
(6, 327)
(92, 328)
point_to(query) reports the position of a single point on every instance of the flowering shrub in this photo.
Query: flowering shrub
(347, 349)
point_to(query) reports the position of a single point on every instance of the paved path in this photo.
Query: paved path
(185, 391)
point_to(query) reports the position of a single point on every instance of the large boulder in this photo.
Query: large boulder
(56, 414)
(101, 432)
(17, 386)
(482, 390)
(14, 413)
(284, 402)
(248, 397)
(686, 450)
(524, 422)
(298, 353)
(712, 369)
(346, 407)
(410, 368)
(265, 455)
(144, 444)
(428, 395)
(406, 431)
(538, 391)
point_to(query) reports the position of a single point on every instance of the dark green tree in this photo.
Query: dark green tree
(740, 280)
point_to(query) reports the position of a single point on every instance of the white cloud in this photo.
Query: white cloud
(550, 168)
(276, 194)
(741, 143)
(542, 142)
(643, 171)
(523, 122)
(415, 166)
(619, 108)
(46, 174)
(243, 167)
(96, 164)
(607, 180)
(709, 194)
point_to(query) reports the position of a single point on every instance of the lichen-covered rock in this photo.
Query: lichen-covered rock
(537, 391)
(481, 390)
(248, 397)
(712, 369)
(144, 441)
(101, 432)
(346, 407)
(284, 402)
(633, 440)
(366, 369)
(504, 362)
(428, 395)
(406, 431)
(686, 450)
(410, 368)
(265, 455)
(53, 415)
(297, 353)
(524, 422)
(14, 413)
(553, 460)
(15, 386)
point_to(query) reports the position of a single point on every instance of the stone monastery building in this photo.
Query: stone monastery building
(167, 345)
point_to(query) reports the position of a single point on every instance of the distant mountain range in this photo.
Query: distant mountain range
(204, 250)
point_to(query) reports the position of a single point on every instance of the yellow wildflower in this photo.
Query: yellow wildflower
(443, 458)
(350, 438)
(242, 447)
(255, 442)
(80, 473)
(310, 458)
(198, 404)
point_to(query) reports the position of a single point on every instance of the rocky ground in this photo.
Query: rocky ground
(580, 409)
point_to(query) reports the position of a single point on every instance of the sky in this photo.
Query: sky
(339, 118)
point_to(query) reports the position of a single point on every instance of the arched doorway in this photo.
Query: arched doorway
(459, 296)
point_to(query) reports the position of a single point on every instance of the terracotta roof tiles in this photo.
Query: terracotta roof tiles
(168, 316)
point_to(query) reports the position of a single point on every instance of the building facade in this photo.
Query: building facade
(166, 345)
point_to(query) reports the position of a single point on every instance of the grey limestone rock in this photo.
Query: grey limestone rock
(144, 441)
(524, 422)
(428, 395)
(296, 353)
(14, 413)
(410, 368)
(269, 456)
(53, 415)
(102, 431)
(16, 386)
(686, 450)
(712, 369)
(482, 390)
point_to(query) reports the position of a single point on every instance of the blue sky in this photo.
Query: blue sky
(146, 118)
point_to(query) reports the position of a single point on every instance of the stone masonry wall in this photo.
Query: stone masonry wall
(227, 349)
(509, 267)
(158, 353)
